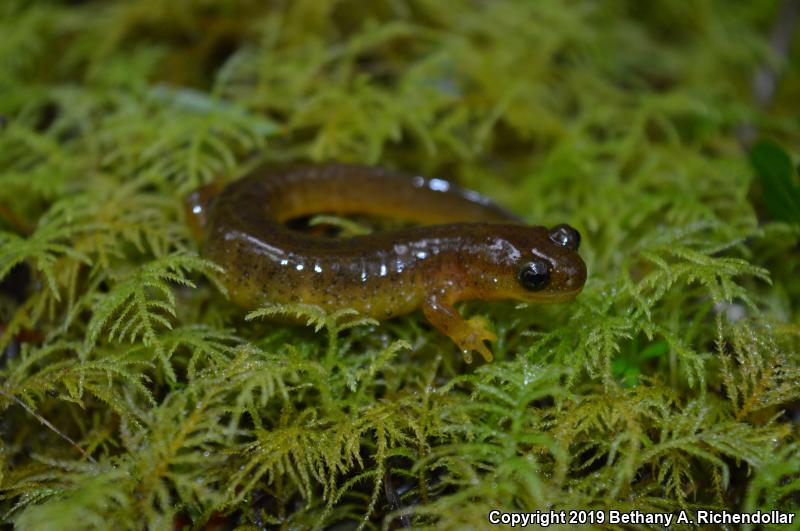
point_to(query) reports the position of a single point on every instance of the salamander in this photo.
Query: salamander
(466, 248)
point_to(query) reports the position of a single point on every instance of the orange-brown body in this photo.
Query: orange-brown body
(474, 250)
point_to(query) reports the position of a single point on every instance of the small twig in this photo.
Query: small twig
(765, 80)
(392, 496)
(48, 424)
(15, 221)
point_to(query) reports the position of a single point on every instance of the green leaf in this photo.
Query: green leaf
(781, 190)
(654, 350)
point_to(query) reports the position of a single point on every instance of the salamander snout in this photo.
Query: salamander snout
(549, 268)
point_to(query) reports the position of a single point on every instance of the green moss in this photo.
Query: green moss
(135, 395)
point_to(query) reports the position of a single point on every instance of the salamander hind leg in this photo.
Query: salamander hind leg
(469, 335)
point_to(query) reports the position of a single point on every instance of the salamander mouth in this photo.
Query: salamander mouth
(553, 297)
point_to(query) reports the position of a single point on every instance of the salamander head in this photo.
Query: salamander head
(531, 264)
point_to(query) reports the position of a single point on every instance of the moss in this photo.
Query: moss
(134, 395)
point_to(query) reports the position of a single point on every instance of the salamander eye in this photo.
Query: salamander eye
(565, 236)
(535, 275)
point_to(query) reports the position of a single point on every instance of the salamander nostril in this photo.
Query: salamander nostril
(565, 236)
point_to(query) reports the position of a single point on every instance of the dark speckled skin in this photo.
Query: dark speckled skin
(382, 274)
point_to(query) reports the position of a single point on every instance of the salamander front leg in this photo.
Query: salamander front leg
(469, 334)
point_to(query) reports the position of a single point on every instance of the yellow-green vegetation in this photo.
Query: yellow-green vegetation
(135, 396)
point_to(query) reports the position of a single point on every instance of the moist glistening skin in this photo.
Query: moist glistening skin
(469, 248)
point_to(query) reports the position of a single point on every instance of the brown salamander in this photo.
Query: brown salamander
(472, 249)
